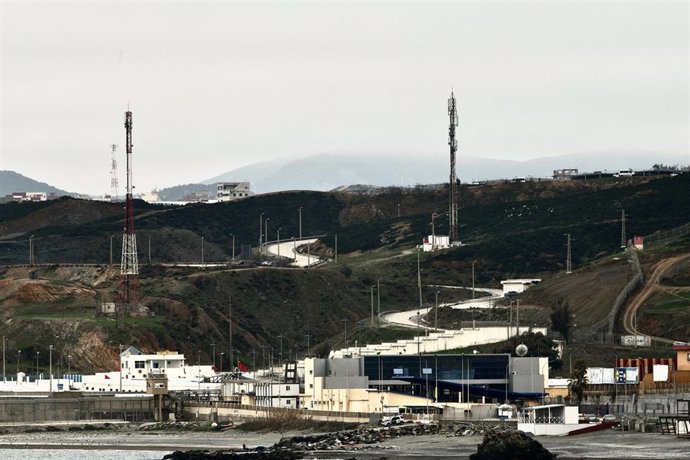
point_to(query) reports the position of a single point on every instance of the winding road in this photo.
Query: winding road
(650, 287)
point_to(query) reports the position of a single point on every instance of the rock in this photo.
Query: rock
(501, 444)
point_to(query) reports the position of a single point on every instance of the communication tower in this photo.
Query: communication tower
(129, 268)
(113, 174)
(453, 182)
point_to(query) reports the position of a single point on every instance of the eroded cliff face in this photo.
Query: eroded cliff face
(55, 306)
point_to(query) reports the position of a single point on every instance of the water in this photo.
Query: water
(78, 454)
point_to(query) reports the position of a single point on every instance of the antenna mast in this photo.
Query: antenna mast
(129, 268)
(453, 182)
(113, 174)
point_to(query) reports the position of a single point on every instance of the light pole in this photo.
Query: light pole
(37, 355)
(213, 352)
(202, 252)
(398, 209)
(436, 313)
(266, 231)
(300, 222)
(19, 352)
(280, 336)
(233, 246)
(372, 306)
(69, 373)
(378, 297)
(278, 232)
(4, 376)
(50, 368)
(261, 235)
(433, 232)
(473, 278)
(120, 347)
(31, 250)
(222, 354)
(149, 236)
(111, 249)
(344, 321)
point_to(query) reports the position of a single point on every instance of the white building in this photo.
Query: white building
(229, 191)
(551, 419)
(135, 366)
(518, 285)
(434, 242)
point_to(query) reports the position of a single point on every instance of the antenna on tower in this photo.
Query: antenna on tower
(113, 174)
(453, 181)
(129, 268)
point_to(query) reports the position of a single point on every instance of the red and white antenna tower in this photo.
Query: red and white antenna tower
(129, 268)
(453, 182)
(113, 174)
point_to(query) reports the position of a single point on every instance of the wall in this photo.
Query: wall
(138, 409)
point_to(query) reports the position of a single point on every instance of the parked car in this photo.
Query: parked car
(609, 418)
(394, 420)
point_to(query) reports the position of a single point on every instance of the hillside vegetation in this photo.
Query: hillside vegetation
(510, 230)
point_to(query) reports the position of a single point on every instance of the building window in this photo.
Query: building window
(138, 364)
(287, 387)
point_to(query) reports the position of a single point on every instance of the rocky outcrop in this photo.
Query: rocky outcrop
(499, 444)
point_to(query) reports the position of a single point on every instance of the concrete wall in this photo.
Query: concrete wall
(438, 341)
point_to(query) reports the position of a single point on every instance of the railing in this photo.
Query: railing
(528, 419)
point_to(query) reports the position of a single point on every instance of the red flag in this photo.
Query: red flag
(242, 367)
(107, 376)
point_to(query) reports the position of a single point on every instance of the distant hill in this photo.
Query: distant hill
(329, 171)
(11, 182)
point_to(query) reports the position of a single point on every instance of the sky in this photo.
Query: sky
(214, 86)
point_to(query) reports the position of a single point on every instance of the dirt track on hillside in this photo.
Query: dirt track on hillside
(650, 287)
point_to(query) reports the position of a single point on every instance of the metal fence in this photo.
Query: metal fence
(663, 237)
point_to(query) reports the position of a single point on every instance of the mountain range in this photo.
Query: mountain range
(328, 171)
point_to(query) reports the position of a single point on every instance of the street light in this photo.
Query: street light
(261, 234)
(202, 252)
(436, 313)
(222, 354)
(213, 352)
(37, 355)
(51, 368)
(233, 246)
(31, 250)
(19, 352)
(111, 249)
(300, 222)
(278, 242)
(372, 306)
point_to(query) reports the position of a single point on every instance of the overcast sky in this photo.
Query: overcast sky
(218, 85)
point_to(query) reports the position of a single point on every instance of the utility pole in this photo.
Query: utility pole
(568, 261)
(149, 248)
(436, 313)
(4, 375)
(336, 248)
(261, 234)
(378, 296)
(300, 222)
(308, 336)
(280, 336)
(433, 232)
(372, 306)
(233, 246)
(623, 238)
(473, 280)
(419, 280)
(202, 252)
(232, 363)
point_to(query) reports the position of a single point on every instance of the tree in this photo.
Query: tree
(578, 380)
(560, 317)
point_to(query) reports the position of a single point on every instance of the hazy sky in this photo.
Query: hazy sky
(218, 85)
